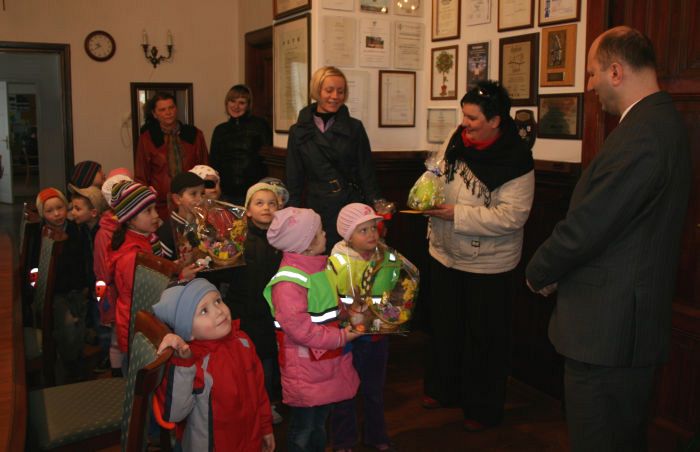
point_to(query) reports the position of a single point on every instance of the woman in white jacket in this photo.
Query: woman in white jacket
(476, 241)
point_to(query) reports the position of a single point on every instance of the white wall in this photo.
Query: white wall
(389, 139)
(206, 53)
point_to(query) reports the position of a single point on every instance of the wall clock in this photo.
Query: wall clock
(100, 45)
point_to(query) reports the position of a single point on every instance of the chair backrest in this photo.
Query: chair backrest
(52, 242)
(152, 274)
(145, 374)
(29, 242)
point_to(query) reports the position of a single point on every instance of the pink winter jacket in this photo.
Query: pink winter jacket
(103, 266)
(308, 382)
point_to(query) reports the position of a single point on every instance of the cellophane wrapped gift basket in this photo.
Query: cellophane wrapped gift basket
(383, 298)
(219, 232)
(429, 190)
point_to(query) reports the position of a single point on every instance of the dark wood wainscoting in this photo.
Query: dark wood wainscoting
(534, 359)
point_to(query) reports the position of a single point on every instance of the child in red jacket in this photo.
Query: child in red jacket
(215, 379)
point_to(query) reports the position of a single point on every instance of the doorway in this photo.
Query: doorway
(37, 126)
(258, 71)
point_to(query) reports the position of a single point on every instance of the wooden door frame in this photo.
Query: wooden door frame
(63, 52)
(254, 39)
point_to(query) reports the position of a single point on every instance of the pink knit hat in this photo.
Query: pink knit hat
(352, 216)
(293, 229)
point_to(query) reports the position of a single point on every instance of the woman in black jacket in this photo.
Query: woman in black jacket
(329, 152)
(236, 143)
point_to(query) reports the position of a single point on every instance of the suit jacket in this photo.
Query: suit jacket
(615, 253)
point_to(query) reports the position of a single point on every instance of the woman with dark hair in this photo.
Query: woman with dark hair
(236, 143)
(476, 240)
(166, 148)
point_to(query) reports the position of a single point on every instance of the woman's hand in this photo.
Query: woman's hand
(442, 211)
(268, 443)
(181, 348)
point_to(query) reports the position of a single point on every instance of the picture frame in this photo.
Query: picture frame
(478, 12)
(416, 12)
(284, 8)
(444, 63)
(515, 14)
(341, 5)
(397, 99)
(560, 116)
(558, 12)
(517, 70)
(441, 123)
(446, 20)
(558, 57)
(478, 63)
(291, 47)
(375, 6)
(141, 93)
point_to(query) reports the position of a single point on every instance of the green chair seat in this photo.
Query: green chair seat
(67, 414)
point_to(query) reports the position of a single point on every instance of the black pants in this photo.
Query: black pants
(468, 359)
(607, 408)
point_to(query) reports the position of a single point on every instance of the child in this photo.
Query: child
(72, 287)
(357, 225)
(315, 371)
(214, 381)
(247, 301)
(186, 191)
(104, 268)
(87, 173)
(280, 188)
(212, 181)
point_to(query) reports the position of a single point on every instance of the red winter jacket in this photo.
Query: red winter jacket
(124, 262)
(103, 266)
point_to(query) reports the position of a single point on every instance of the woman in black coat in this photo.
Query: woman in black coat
(329, 153)
(236, 143)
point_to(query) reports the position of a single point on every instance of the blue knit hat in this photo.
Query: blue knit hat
(178, 303)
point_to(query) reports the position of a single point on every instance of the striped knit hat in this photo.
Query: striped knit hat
(129, 199)
(84, 173)
(46, 194)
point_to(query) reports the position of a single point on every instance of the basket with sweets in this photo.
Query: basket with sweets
(220, 231)
(387, 309)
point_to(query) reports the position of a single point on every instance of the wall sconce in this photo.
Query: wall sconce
(152, 55)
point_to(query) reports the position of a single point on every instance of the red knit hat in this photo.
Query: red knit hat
(46, 194)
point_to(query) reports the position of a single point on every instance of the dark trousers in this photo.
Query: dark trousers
(307, 428)
(369, 359)
(607, 408)
(468, 356)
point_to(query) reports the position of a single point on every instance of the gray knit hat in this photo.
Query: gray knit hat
(178, 303)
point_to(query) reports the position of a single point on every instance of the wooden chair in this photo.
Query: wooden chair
(40, 349)
(145, 374)
(152, 275)
(29, 242)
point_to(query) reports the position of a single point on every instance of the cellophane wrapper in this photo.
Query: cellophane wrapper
(429, 190)
(219, 231)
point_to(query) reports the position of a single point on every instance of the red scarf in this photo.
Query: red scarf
(478, 145)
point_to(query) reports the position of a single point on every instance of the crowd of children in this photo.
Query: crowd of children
(276, 337)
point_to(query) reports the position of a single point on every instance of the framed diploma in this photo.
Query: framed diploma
(342, 5)
(358, 93)
(375, 39)
(515, 14)
(284, 8)
(446, 19)
(339, 40)
(558, 58)
(409, 42)
(410, 8)
(558, 11)
(443, 76)
(517, 70)
(560, 116)
(375, 6)
(478, 11)
(397, 99)
(441, 123)
(478, 62)
(291, 56)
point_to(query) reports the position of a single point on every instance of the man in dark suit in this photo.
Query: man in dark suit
(613, 258)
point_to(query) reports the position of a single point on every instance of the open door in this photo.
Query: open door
(5, 155)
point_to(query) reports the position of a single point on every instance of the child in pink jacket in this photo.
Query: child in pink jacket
(315, 371)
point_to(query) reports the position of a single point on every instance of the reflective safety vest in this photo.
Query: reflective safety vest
(322, 300)
(347, 271)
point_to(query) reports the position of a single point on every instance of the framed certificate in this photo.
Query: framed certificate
(441, 123)
(558, 58)
(291, 53)
(478, 63)
(478, 12)
(560, 116)
(517, 70)
(342, 5)
(411, 8)
(515, 14)
(284, 8)
(558, 11)
(443, 76)
(397, 99)
(375, 6)
(446, 19)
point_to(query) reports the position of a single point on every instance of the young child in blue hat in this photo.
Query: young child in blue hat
(214, 386)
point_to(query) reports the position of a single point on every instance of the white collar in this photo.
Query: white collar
(627, 110)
